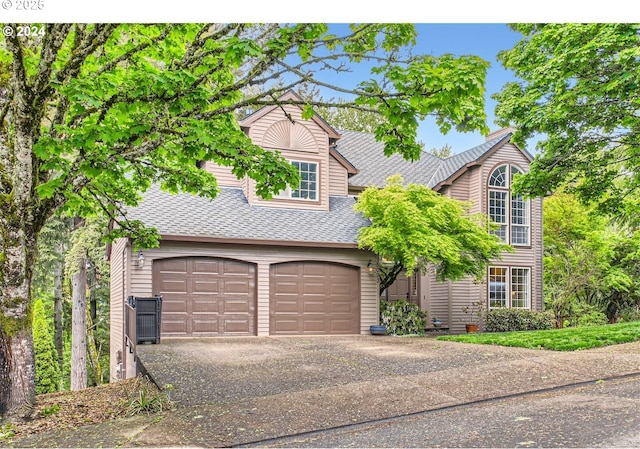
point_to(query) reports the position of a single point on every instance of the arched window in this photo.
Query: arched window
(509, 211)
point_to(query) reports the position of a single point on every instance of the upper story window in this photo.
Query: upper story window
(508, 210)
(308, 187)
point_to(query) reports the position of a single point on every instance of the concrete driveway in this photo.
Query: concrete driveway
(241, 390)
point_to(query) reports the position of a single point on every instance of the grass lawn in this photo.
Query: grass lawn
(568, 339)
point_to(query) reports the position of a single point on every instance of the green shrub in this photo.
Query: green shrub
(593, 318)
(402, 317)
(586, 315)
(505, 320)
(47, 368)
(630, 314)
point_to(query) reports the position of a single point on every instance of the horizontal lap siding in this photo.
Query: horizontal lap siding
(264, 256)
(337, 178)
(223, 175)
(319, 153)
(439, 307)
(448, 299)
(118, 293)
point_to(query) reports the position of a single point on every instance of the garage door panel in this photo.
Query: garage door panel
(174, 285)
(236, 326)
(284, 306)
(204, 300)
(209, 305)
(174, 306)
(314, 298)
(209, 287)
(230, 268)
(237, 306)
(345, 307)
(236, 287)
(341, 289)
(315, 269)
(285, 269)
(203, 266)
(341, 326)
(286, 287)
(175, 325)
(314, 306)
(314, 288)
(285, 326)
(204, 325)
(174, 265)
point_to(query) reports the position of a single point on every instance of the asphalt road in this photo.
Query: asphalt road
(599, 414)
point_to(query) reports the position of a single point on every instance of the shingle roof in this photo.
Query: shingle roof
(451, 165)
(366, 154)
(229, 216)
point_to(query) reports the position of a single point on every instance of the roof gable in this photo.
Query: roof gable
(294, 99)
(367, 155)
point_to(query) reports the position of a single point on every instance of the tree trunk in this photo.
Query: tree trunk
(386, 277)
(79, 328)
(57, 316)
(17, 359)
(17, 366)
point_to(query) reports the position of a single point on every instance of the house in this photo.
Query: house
(240, 265)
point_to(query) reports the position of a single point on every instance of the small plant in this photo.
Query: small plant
(168, 389)
(144, 397)
(402, 317)
(474, 312)
(7, 431)
(50, 410)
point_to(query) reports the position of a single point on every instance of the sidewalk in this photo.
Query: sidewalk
(329, 383)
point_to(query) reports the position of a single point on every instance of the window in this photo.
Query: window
(509, 287)
(509, 211)
(308, 187)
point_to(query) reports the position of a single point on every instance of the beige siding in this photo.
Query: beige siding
(438, 300)
(223, 175)
(264, 256)
(312, 146)
(462, 294)
(460, 188)
(118, 294)
(523, 256)
(448, 299)
(338, 184)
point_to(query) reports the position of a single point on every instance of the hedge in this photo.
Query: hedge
(505, 320)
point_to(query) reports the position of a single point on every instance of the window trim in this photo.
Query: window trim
(508, 226)
(287, 193)
(509, 286)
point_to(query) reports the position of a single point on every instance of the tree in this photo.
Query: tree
(92, 114)
(580, 91)
(587, 260)
(85, 261)
(46, 356)
(53, 243)
(443, 152)
(414, 227)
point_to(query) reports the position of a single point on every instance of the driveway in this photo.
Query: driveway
(205, 371)
(234, 391)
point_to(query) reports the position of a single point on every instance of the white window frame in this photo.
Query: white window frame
(511, 275)
(289, 192)
(500, 198)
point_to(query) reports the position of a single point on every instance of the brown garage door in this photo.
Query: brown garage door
(203, 296)
(314, 298)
